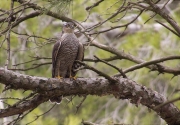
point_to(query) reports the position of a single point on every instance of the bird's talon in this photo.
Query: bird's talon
(73, 78)
(59, 77)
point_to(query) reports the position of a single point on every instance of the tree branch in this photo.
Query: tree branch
(94, 5)
(152, 62)
(156, 9)
(123, 55)
(45, 11)
(21, 19)
(34, 14)
(122, 89)
(20, 108)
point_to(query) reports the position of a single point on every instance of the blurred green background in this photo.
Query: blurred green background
(146, 41)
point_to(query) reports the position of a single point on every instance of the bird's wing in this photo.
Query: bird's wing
(55, 51)
(80, 57)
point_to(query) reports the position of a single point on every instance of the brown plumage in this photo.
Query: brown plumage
(65, 51)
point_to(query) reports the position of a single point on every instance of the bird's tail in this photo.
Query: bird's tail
(56, 99)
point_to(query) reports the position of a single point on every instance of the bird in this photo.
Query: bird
(65, 52)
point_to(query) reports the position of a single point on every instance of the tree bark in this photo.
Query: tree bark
(122, 89)
(18, 109)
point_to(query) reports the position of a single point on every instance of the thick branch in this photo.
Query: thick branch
(21, 108)
(123, 89)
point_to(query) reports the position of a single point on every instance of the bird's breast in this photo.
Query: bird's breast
(69, 48)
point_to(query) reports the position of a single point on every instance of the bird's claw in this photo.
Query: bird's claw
(60, 78)
(73, 78)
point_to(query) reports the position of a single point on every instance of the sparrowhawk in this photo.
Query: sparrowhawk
(65, 51)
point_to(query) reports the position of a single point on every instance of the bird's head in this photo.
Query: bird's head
(68, 27)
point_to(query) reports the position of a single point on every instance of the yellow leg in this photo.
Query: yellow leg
(71, 77)
(59, 77)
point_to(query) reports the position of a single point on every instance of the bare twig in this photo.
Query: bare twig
(78, 106)
(21, 116)
(42, 114)
(120, 9)
(25, 62)
(88, 123)
(123, 55)
(35, 36)
(106, 59)
(165, 16)
(34, 67)
(8, 35)
(114, 27)
(98, 72)
(152, 62)
(120, 70)
(168, 28)
(25, 106)
(94, 5)
(168, 102)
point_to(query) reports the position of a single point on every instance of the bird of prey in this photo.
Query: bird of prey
(65, 51)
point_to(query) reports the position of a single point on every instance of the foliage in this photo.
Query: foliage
(58, 6)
